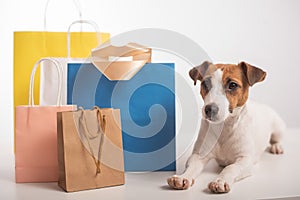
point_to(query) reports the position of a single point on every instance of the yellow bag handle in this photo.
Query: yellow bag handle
(89, 22)
(75, 2)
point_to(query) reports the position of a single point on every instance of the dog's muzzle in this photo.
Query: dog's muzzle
(211, 111)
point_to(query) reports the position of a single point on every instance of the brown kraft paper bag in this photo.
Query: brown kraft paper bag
(90, 150)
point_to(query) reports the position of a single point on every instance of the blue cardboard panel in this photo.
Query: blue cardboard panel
(147, 104)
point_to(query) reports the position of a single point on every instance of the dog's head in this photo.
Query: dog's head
(225, 87)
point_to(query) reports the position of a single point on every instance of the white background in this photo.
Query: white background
(265, 33)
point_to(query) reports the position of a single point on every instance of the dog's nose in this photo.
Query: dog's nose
(211, 110)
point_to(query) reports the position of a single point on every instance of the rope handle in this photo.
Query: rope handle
(101, 119)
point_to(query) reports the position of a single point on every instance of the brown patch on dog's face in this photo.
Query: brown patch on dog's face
(236, 81)
(235, 85)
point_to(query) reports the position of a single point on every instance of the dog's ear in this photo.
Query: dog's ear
(198, 72)
(253, 74)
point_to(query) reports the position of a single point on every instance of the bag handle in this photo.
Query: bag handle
(89, 22)
(119, 68)
(102, 125)
(75, 2)
(31, 84)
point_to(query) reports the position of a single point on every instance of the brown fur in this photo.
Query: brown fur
(234, 73)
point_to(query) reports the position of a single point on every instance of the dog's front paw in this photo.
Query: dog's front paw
(219, 186)
(180, 183)
(276, 148)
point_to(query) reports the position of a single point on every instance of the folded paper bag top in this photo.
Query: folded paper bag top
(121, 62)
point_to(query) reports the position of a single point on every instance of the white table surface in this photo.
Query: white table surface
(274, 177)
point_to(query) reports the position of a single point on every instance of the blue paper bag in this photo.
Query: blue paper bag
(147, 104)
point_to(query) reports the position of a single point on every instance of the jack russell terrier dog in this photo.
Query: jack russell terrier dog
(233, 131)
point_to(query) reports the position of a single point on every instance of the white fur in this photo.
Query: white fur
(236, 143)
(217, 95)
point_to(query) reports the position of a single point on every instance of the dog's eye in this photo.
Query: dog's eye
(232, 86)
